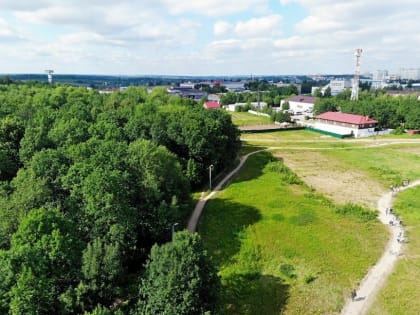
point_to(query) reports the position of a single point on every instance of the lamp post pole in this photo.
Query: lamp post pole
(173, 230)
(210, 169)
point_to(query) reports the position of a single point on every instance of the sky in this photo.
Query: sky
(208, 37)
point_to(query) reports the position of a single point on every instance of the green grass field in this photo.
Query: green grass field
(281, 248)
(400, 296)
(247, 119)
(389, 165)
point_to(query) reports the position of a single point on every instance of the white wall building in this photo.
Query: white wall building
(345, 124)
(233, 107)
(300, 104)
(338, 86)
(380, 75)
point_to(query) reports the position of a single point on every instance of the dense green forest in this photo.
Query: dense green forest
(391, 112)
(89, 184)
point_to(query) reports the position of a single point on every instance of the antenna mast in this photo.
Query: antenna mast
(355, 85)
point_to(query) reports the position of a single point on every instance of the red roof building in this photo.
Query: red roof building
(342, 124)
(211, 105)
(363, 121)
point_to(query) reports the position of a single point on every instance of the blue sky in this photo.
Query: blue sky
(202, 37)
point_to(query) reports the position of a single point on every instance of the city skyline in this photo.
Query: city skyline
(239, 37)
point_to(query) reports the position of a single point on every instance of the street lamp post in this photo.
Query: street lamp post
(173, 229)
(210, 169)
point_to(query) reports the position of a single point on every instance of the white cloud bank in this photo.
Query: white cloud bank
(207, 37)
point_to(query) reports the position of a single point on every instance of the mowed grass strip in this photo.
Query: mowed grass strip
(390, 165)
(400, 296)
(287, 135)
(280, 248)
(246, 119)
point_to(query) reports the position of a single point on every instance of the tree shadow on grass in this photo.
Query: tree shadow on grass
(253, 293)
(254, 166)
(221, 228)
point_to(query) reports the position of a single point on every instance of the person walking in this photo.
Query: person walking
(353, 294)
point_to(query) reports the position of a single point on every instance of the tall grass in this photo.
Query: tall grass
(269, 230)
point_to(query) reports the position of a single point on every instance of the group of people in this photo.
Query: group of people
(395, 220)
(400, 237)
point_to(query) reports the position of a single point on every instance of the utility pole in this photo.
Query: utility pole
(173, 230)
(210, 169)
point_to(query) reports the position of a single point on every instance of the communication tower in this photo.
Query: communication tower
(355, 85)
(50, 75)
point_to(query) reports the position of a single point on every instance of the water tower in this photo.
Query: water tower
(50, 75)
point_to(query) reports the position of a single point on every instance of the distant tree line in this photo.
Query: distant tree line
(271, 94)
(390, 111)
(88, 184)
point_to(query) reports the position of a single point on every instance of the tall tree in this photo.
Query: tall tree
(180, 279)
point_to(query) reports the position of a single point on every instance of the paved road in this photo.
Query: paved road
(192, 223)
(378, 274)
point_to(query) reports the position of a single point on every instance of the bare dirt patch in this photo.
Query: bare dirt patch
(335, 179)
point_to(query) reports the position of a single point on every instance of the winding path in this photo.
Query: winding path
(192, 223)
(378, 274)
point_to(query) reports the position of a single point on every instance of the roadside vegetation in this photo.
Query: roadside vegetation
(281, 247)
(401, 292)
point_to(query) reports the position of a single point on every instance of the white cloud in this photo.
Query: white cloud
(256, 27)
(201, 36)
(9, 33)
(214, 7)
(221, 28)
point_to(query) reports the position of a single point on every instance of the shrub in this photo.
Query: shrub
(356, 211)
(309, 278)
(287, 175)
(288, 270)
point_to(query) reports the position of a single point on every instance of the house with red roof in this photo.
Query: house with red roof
(300, 104)
(211, 105)
(343, 124)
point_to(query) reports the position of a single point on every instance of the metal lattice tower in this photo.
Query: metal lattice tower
(355, 85)
(50, 75)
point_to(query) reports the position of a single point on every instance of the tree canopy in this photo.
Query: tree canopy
(88, 183)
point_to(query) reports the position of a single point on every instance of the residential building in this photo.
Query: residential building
(234, 86)
(300, 104)
(343, 124)
(213, 97)
(188, 85)
(186, 92)
(234, 107)
(380, 75)
(410, 74)
(211, 105)
(339, 85)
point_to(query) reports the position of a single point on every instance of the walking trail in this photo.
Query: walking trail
(377, 275)
(192, 223)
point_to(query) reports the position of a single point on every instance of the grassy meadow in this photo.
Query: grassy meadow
(400, 296)
(246, 119)
(389, 165)
(281, 248)
(280, 243)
